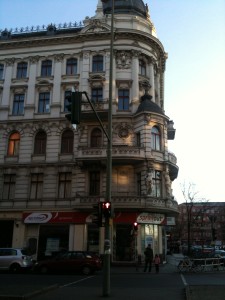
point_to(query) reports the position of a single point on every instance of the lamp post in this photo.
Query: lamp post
(107, 243)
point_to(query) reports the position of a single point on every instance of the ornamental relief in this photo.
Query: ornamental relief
(123, 59)
(123, 130)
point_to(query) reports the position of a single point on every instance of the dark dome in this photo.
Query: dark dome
(133, 7)
(148, 105)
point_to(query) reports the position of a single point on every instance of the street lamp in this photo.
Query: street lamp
(107, 244)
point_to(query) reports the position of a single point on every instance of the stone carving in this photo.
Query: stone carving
(123, 59)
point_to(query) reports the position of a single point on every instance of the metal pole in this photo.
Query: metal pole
(107, 243)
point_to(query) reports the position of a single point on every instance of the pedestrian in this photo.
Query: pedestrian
(157, 262)
(148, 258)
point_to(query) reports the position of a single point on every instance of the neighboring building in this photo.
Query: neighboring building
(51, 174)
(207, 223)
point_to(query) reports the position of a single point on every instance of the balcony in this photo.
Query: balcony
(100, 107)
(120, 153)
(173, 168)
(122, 202)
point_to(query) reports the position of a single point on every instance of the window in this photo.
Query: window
(96, 94)
(67, 141)
(123, 101)
(46, 68)
(18, 104)
(36, 186)
(139, 184)
(9, 186)
(14, 142)
(71, 66)
(43, 105)
(96, 138)
(94, 183)
(21, 70)
(64, 185)
(1, 71)
(138, 139)
(156, 184)
(142, 67)
(67, 94)
(155, 136)
(40, 143)
(97, 63)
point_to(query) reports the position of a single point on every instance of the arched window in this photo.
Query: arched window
(97, 63)
(40, 143)
(67, 141)
(156, 138)
(96, 137)
(14, 143)
(71, 66)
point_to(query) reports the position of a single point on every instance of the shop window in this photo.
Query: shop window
(97, 63)
(64, 186)
(9, 186)
(44, 101)
(156, 138)
(67, 141)
(18, 104)
(156, 184)
(94, 188)
(13, 146)
(96, 94)
(40, 143)
(71, 66)
(46, 68)
(36, 186)
(96, 137)
(21, 70)
(123, 99)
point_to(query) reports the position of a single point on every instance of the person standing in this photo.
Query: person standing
(157, 262)
(148, 258)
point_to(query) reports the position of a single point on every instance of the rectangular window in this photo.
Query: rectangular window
(94, 183)
(9, 186)
(71, 66)
(156, 184)
(138, 139)
(1, 71)
(123, 99)
(21, 70)
(139, 184)
(65, 179)
(142, 67)
(46, 68)
(97, 63)
(67, 95)
(18, 104)
(36, 186)
(96, 94)
(44, 100)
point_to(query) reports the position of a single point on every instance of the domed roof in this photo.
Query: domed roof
(147, 105)
(133, 7)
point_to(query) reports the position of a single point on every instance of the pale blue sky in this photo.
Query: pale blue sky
(193, 34)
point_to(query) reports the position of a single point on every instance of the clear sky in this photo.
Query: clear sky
(193, 34)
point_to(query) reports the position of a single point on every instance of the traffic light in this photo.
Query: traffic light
(97, 214)
(106, 209)
(135, 226)
(74, 107)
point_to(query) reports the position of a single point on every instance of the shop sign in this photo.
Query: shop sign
(151, 218)
(54, 217)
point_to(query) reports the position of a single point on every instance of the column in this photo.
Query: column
(152, 79)
(135, 77)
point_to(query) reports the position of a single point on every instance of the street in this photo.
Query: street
(124, 282)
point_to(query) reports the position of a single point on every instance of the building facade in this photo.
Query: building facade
(52, 174)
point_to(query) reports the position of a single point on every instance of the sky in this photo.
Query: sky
(193, 35)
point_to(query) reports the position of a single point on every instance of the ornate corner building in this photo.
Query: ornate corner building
(51, 175)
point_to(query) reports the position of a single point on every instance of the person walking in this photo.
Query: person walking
(157, 262)
(148, 258)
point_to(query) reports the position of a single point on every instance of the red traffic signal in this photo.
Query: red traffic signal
(135, 226)
(106, 209)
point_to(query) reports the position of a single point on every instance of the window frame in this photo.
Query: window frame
(36, 186)
(71, 66)
(43, 102)
(157, 184)
(94, 183)
(2, 71)
(40, 143)
(46, 68)
(97, 63)
(64, 185)
(96, 137)
(123, 99)
(67, 141)
(156, 138)
(97, 94)
(13, 144)
(142, 67)
(9, 186)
